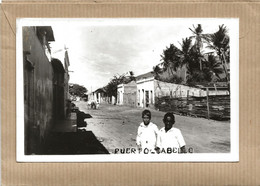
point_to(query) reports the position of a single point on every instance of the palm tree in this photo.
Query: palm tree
(132, 76)
(197, 32)
(190, 58)
(157, 70)
(219, 41)
(213, 66)
(170, 58)
(186, 55)
(198, 45)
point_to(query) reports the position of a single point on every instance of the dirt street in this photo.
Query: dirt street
(116, 127)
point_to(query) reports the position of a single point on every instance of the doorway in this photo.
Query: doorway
(146, 98)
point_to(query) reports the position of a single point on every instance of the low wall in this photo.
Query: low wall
(219, 106)
(175, 90)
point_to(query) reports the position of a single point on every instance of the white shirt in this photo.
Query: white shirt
(147, 135)
(170, 139)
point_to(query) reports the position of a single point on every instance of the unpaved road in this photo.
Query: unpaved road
(116, 127)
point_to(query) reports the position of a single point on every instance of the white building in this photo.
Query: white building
(126, 94)
(145, 89)
(143, 92)
(148, 88)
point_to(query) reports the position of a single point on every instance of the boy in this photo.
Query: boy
(169, 138)
(146, 134)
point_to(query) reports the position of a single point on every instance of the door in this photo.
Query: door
(146, 98)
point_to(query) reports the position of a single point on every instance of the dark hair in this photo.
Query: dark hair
(147, 113)
(169, 114)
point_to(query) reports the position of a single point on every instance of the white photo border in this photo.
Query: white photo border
(233, 156)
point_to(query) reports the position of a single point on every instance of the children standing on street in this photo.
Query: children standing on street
(170, 138)
(146, 134)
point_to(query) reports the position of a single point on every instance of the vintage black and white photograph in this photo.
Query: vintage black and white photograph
(127, 89)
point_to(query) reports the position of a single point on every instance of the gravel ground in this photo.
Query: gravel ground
(116, 128)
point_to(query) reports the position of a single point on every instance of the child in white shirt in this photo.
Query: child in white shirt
(170, 137)
(146, 134)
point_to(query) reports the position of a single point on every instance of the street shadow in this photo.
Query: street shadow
(73, 143)
(81, 116)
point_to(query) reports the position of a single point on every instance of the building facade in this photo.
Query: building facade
(38, 85)
(59, 90)
(45, 87)
(126, 94)
(147, 89)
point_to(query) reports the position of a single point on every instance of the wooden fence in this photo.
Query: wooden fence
(211, 107)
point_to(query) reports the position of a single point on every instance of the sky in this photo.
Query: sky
(101, 48)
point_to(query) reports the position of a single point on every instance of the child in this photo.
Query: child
(170, 138)
(97, 105)
(146, 134)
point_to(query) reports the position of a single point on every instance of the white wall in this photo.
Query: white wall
(176, 90)
(120, 93)
(143, 86)
(123, 89)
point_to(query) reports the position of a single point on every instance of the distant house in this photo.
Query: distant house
(101, 95)
(126, 94)
(98, 95)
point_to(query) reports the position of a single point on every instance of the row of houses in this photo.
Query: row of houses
(46, 91)
(99, 96)
(143, 91)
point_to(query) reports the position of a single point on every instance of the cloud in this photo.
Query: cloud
(97, 52)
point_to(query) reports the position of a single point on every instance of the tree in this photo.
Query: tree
(174, 58)
(191, 58)
(186, 56)
(213, 66)
(165, 71)
(198, 45)
(77, 90)
(211, 70)
(157, 70)
(132, 76)
(219, 42)
(171, 58)
(199, 76)
(199, 67)
(111, 87)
